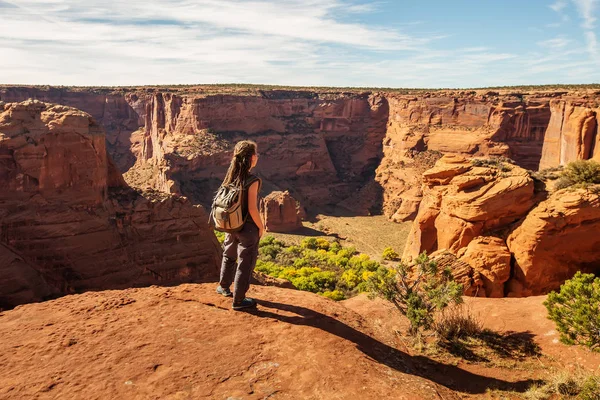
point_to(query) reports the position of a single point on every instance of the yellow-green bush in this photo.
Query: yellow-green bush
(389, 254)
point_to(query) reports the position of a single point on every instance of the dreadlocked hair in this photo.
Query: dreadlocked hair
(240, 163)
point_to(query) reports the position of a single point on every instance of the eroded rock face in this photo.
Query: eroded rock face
(463, 201)
(281, 212)
(327, 146)
(68, 221)
(572, 134)
(490, 257)
(557, 238)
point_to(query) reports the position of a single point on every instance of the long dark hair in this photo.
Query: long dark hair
(240, 163)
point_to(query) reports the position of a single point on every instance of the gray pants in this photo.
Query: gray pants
(243, 246)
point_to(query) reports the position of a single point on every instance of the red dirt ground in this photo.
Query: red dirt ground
(185, 342)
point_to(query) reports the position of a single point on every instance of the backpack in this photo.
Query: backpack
(228, 207)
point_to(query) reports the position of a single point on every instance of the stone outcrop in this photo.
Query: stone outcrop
(281, 212)
(462, 201)
(68, 221)
(480, 218)
(557, 238)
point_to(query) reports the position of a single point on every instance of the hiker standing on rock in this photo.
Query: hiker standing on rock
(235, 211)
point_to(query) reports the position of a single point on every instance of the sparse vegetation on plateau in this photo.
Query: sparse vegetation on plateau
(579, 174)
(576, 310)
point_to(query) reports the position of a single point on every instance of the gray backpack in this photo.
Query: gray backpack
(228, 206)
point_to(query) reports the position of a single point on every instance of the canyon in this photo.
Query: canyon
(353, 152)
(361, 151)
(69, 222)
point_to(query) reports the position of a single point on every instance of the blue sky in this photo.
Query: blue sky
(426, 43)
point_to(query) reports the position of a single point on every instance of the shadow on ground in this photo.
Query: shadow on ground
(506, 345)
(449, 376)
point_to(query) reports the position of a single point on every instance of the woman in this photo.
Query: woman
(242, 245)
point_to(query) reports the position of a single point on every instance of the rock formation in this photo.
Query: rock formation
(280, 212)
(68, 221)
(557, 238)
(325, 145)
(471, 210)
(572, 133)
(462, 201)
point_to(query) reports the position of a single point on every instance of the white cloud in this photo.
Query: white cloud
(558, 5)
(586, 9)
(556, 43)
(287, 42)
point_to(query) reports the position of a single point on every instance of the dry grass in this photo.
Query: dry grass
(457, 323)
(579, 385)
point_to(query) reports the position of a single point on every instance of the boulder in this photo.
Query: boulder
(281, 212)
(490, 257)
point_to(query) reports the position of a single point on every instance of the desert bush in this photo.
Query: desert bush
(547, 173)
(581, 173)
(457, 323)
(576, 310)
(270, 251)
(336, 295)
(389, 254)
(417, 291)
(309, 243)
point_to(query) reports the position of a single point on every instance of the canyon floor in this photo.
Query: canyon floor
(368, 234)
(185, 342)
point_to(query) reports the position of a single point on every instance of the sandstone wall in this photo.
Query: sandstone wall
(326, 147)
(69, 223)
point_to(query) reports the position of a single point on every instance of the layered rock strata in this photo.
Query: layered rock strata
(325, 147)
(68, 221)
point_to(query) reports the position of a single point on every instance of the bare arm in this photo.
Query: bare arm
(253, 206)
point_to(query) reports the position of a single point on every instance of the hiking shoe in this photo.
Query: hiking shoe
(246, 303)
(224, 291)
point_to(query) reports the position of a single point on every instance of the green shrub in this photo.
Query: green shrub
(362, 262)
(220, 236)
(309, 243)
(389, 254)
(417, 291)
(334, 295)
(322, 244)
(581, 173)
(266, 241)
(270, 251)
(576, 310)
(335, 247)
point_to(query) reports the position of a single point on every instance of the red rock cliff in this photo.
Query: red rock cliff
(325, 146)
(68, 221)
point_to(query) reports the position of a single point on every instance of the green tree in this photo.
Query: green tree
(576, 310)
(418, 290)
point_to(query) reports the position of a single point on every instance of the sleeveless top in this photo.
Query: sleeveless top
(249, 181)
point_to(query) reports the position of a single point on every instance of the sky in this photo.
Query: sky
(347, 43)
